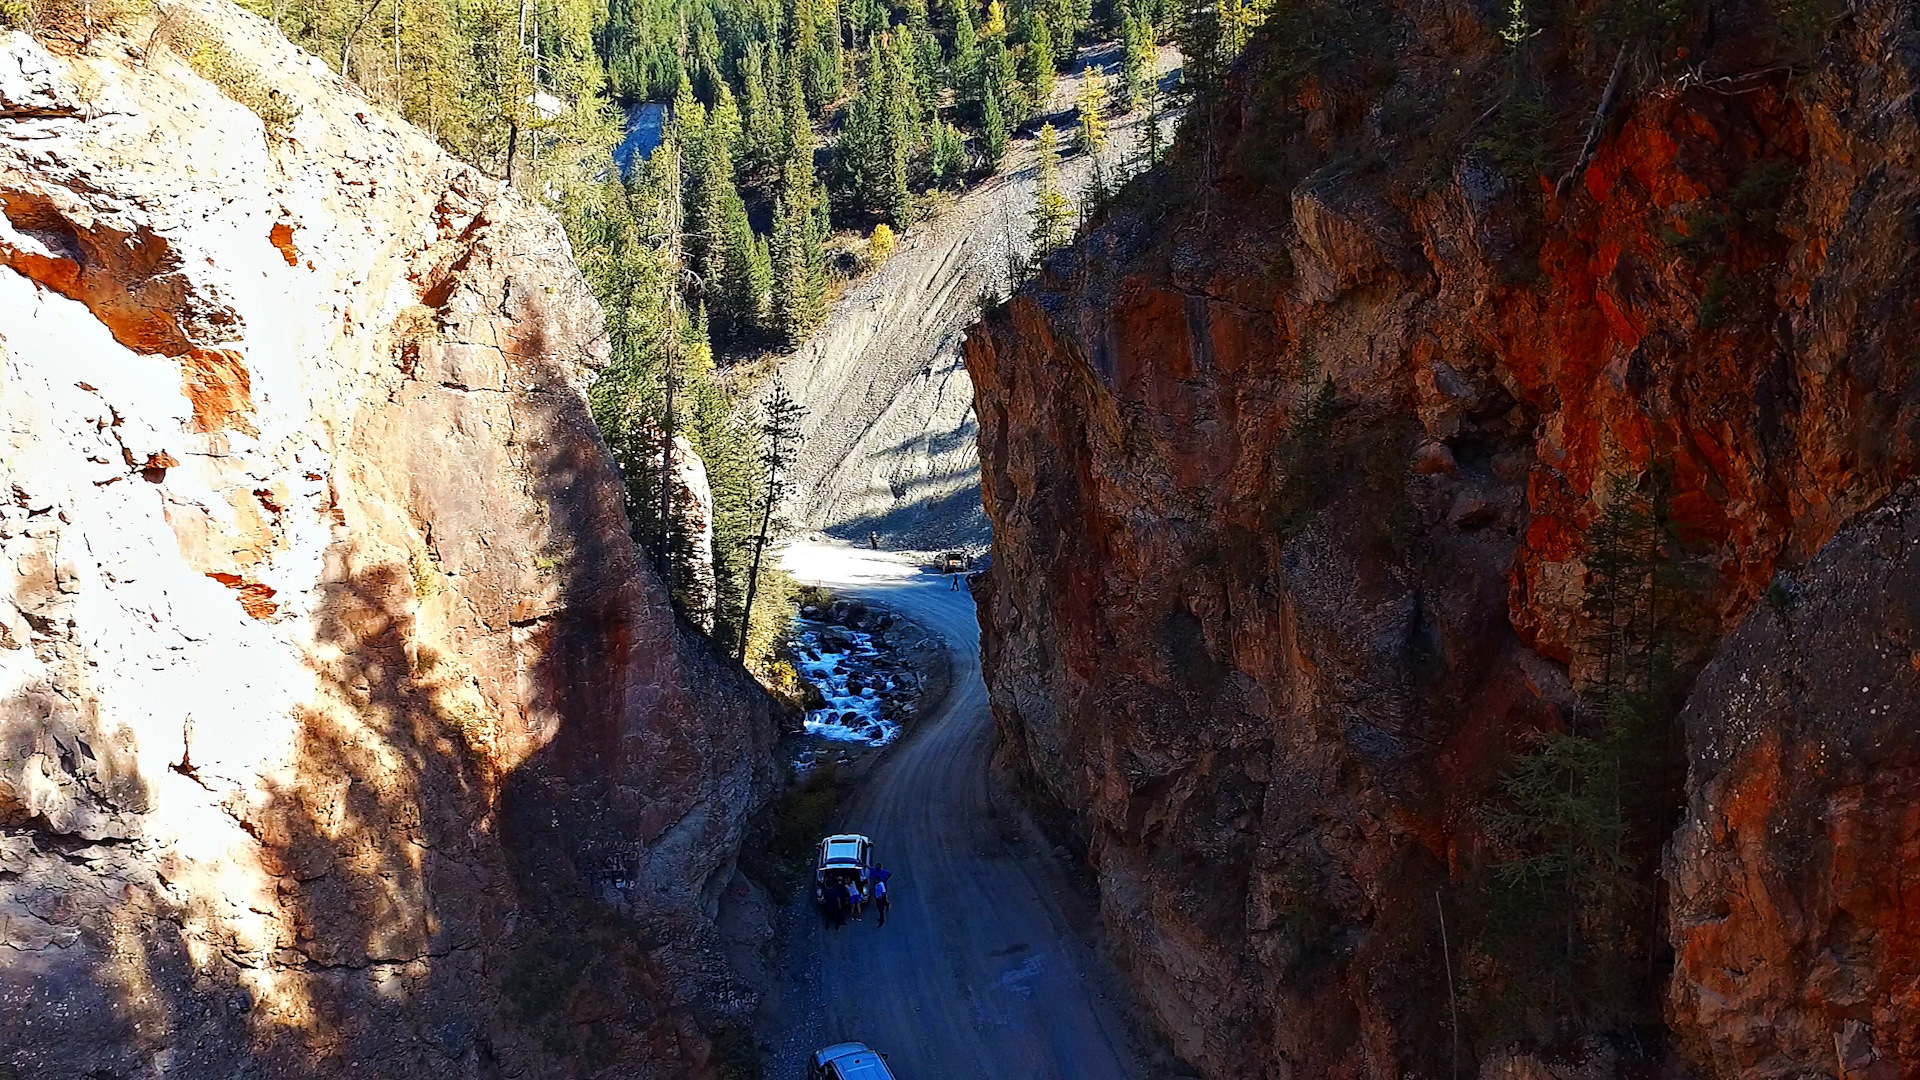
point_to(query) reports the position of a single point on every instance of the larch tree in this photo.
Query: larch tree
(1052, 212)
(1092, 105)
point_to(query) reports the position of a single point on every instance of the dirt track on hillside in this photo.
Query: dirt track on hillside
(888, 440)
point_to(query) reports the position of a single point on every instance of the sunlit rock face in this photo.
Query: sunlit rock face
(340, 726)
(1271, 658)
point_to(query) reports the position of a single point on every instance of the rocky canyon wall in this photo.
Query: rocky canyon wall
(341, 730)
(1297, 463)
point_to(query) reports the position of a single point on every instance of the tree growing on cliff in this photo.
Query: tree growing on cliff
(1582, 812)
(1092, 104)
(1052, 212)
(780, 435)
(1304, 459)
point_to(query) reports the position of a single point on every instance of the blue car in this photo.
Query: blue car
(848, 1061)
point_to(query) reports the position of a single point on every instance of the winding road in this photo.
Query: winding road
(986, 969)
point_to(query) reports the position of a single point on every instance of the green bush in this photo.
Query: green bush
(736, 1054)
(1305, 457)
(1713, 302)
(240, 80)
(780, 856)
(74, 20)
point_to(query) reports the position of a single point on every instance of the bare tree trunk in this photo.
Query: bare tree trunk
(346, 47)
(1597, 124)
(666, 480)
(1453, 1004)
(753, 575)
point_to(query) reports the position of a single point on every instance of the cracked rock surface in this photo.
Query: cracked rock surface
(339, 722)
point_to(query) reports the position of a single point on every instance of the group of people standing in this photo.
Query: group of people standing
(845, 900)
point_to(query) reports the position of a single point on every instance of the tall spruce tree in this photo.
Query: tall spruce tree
(761, 117)
(963, 65)
(1037, 61)
(995, 132)
(901, 133)
(1138, 71)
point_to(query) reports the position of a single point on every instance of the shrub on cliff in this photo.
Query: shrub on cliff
(1581, 813)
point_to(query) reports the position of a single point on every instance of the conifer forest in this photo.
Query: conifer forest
(801, 137)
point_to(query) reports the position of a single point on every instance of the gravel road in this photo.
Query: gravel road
(986, 968)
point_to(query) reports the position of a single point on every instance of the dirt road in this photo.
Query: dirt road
(985, 969)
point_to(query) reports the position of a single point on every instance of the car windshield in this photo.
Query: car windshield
(843, 851)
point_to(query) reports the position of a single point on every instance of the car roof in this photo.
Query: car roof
(842, 849)
(855, 1061)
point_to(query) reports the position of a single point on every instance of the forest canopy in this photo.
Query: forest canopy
(790, 123)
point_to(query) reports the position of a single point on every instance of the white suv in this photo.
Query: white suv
(843, 859)
(848, 1061)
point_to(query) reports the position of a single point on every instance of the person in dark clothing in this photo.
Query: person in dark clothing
(873, 541)
(836, 905)
(880, 901)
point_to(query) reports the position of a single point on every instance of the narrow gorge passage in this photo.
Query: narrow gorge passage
(986, 967)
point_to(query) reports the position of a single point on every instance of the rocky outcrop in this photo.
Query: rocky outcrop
(1295, 464)
(341, 726)
(1797, 943)
(696, 521)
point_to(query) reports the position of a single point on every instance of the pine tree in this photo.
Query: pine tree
(963, 67)
(900, 135)
(724, 123)
(797, 140)
(945, 152)
(1037, 63)
(861, 155)
(761, 119)
(1152, 144)
(995, 131)
(1199, 35)
(1138, 70)
(780, 435)
(1092, 103)
(1052, 213)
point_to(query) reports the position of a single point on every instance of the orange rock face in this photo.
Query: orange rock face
(1795, 926)
(1274, 648)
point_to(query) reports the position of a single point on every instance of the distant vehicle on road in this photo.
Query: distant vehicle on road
(846, 858)
(953, 562)
(848, 1061)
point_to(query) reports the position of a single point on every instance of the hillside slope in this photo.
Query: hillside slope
(888, 442)
(341, 723)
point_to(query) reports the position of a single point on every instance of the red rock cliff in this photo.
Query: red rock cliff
(1276, 647)
(342, 732)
